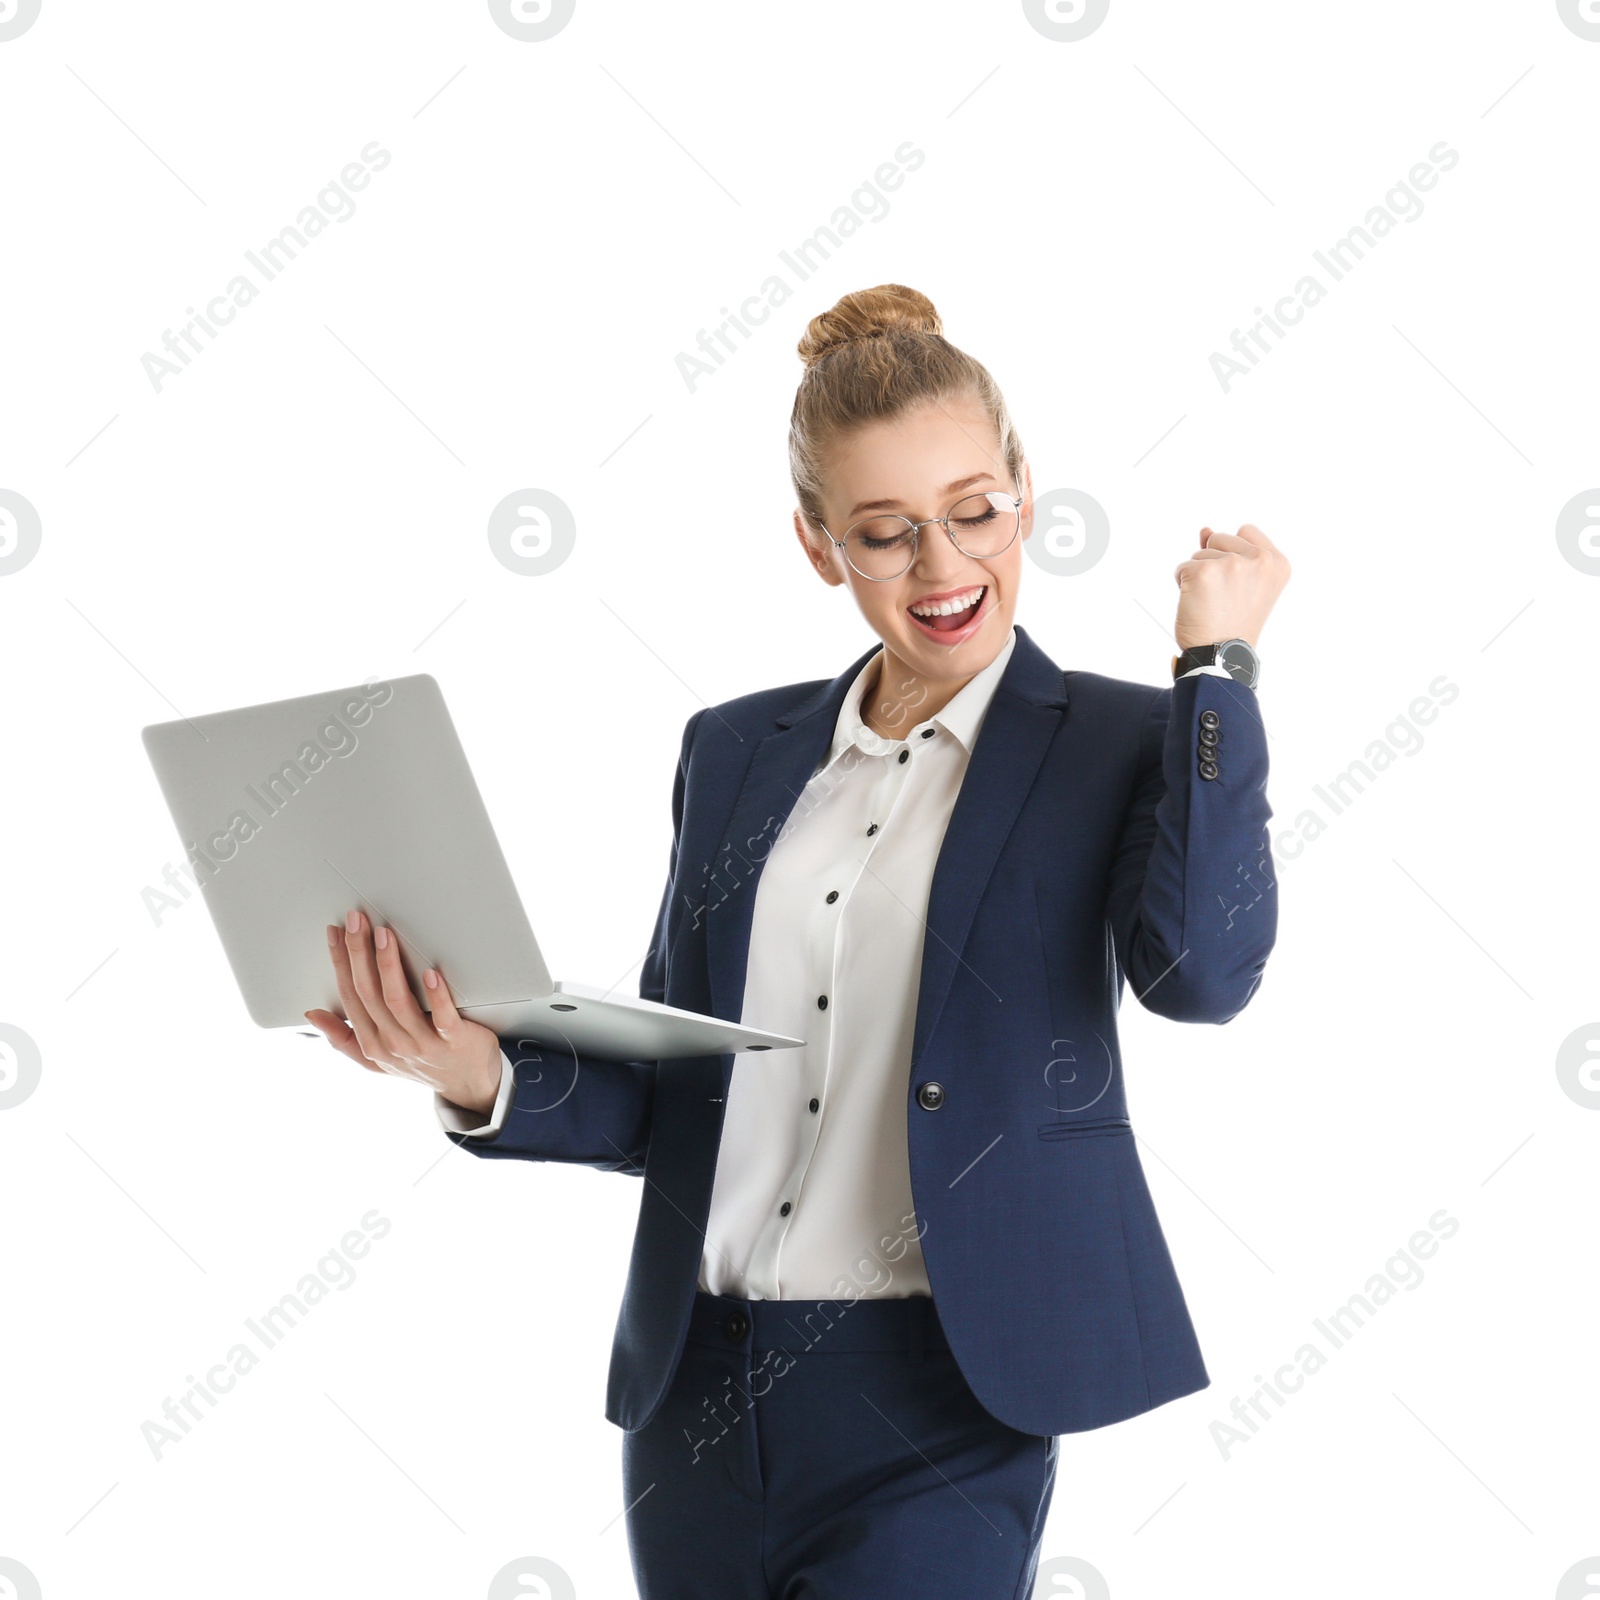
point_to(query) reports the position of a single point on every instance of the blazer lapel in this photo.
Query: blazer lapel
(779, 770)
(1017, 729)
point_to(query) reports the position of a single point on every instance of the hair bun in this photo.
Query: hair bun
(868, 314)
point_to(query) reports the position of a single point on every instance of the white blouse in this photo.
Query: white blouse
(812, 1198)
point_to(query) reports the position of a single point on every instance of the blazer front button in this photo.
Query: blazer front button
(737, 1325)
(930, 1096)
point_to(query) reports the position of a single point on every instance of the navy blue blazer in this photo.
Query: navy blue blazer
(1104, 831)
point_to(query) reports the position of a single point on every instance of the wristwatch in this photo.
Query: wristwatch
(1237, 657)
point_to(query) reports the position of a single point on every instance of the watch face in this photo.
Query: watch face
(1240, 660)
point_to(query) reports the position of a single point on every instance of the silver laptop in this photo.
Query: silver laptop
(295, 812)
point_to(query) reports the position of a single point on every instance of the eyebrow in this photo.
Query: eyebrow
(889, 505)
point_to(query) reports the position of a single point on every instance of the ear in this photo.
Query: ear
(1025, 512)
(818, 553)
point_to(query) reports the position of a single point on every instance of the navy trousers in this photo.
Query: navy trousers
(830, 1450)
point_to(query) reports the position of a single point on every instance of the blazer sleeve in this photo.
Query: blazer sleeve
(1193, 904)
(573, 1107)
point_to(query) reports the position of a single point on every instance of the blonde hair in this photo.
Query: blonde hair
(878, 353)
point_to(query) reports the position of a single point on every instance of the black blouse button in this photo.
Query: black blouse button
(872, 830)
(822, 1002)
(833, 894)
(785, 1209)
(815, 1103)
(927, 733)
(905, 756)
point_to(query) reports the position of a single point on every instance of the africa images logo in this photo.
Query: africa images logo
(16, 17)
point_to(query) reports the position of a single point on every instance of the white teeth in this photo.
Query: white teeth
(948, 608)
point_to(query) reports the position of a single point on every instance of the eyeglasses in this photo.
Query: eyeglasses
(884, 547)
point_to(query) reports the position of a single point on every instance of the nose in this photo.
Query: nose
(937, 556)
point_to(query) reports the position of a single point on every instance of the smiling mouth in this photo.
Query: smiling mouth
(943, 617)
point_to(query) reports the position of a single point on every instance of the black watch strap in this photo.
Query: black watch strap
(1198, 655)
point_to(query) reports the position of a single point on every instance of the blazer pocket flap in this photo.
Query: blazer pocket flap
(1098, 1128)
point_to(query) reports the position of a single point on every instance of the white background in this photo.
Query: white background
(306, 504)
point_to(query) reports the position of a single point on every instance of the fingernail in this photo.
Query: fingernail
(431, 978)
(352, 922)
(381, 935)
(332, 932)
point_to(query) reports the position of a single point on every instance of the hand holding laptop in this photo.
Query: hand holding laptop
(389, 1032)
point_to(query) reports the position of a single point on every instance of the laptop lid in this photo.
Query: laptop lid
(295, 811)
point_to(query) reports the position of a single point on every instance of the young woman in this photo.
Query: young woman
(875, 1278)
